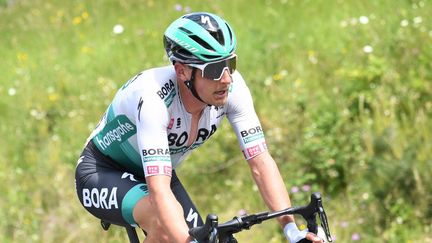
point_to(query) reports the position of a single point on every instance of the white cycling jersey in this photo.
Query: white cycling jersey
(146, 127)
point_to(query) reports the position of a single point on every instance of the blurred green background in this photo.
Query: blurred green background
(343, 90)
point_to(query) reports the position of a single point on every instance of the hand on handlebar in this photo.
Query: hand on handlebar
(294, 235)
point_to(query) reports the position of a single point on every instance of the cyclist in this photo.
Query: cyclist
(126, 173)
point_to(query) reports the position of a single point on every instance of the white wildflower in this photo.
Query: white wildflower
(268, 81)
(418, 20)
(363, 20)
(12, 91)
(118, 29)
(367, 49)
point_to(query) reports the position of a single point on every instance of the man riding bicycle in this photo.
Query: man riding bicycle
(126, 173)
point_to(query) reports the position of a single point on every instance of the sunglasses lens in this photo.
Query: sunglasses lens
(215, 70)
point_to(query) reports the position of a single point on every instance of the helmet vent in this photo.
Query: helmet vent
(218, 35)
(201, 42)
(184, 53)
(230, 33)
(185, 30)
(212, 56)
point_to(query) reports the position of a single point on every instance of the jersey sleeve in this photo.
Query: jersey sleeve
(152, 117)
(244, 120)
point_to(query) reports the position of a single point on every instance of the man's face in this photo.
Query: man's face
(213, 80)
(213, 92)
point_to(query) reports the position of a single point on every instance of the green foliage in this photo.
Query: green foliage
(343, 90)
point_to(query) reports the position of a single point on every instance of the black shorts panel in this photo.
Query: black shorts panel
(110, 192)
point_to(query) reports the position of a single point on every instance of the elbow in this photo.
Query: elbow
(256, 172)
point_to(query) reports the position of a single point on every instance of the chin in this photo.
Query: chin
(219, 102)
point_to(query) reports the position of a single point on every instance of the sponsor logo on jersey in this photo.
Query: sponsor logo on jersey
(220, 115)
(158, 168)
(179, 140)
(80, 159)
(128, 175)
(150, 155)
(176, 139)
(140, 103)
(167, 92)
(264, 145)
(178, 122)
(159, 151)
(171, 123)
(167, 170)
(104, 198)
(252, 134)
(152, 170)
(255, 150)
(116, 131)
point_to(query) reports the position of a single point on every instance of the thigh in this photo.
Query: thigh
(106, 192)
(190, 212)
(145, 212)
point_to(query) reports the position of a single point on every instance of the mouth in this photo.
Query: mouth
(221, 92)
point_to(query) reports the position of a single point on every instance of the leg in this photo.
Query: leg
(109, 195)
(148, 221)
(105, 190)
(190, 212)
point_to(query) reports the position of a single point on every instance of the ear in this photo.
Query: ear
(183, 71)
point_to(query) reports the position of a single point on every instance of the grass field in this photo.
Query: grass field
(343, 89)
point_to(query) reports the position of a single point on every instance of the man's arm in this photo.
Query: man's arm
(270, 184)
(167, 208)
(272, 188)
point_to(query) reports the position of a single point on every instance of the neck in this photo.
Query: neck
(190, 102)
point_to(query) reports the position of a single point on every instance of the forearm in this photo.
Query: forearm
(271, 185)
(169, 212)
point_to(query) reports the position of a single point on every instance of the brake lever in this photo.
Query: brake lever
(324, 222)
(208, 232)
(318, 208)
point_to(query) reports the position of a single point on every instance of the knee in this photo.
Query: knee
(155, 231)
(147, 219)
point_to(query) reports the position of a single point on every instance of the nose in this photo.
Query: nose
(226, 77)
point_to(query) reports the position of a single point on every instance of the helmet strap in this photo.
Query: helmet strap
(191, 85)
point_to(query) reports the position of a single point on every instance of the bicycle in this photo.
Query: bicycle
(213, 232)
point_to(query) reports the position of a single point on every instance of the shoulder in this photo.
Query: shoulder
(239, 88)
(147, 91)
(238, 78)
(152, 78)
(155, 82)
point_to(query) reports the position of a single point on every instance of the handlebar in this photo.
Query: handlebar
(225, 231)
